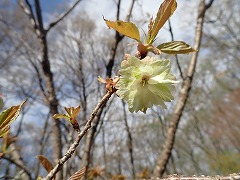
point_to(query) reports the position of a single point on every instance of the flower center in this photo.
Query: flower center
(145, 79)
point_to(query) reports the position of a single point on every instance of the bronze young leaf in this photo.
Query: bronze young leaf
(45, 163)
(78, 175)
(71, 116)
(165, 11)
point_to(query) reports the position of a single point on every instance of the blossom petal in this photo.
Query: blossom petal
(144, 83)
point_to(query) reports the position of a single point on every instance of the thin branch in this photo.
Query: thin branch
(129, 140)
(208, 5)
(31, 10)
(19, 165)
(39, 77)
(118, 39)
(29, 13)
(130, 10)
(62, 16)
(35, 67)
(39, 18)
(177, 61)
(118, 9)
(42, 142)
(81, 134)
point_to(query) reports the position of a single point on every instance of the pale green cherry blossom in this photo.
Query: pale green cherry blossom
(144, 83)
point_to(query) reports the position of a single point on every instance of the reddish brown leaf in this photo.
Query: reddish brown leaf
(78, 175)
(165, 11)
(45, 162)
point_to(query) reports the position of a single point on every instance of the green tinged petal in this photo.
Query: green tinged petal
(144, 83)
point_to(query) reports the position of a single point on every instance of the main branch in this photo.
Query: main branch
(73, 147)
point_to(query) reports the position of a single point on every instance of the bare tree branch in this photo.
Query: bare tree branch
(81, 134)
(19, 165)
(16, 159)
(62, 16)
(28, 11)
(42, 142)
(176, 56)
(130, 10)
(183, 96)
(118, 39)
(129, 140)
(39, 18)
(209, 4)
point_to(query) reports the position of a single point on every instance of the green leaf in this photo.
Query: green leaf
(125, 28)
(176, 47)
(45, 163)
(165, 11)
(7, 117)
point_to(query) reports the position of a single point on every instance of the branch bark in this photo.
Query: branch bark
(16, 159)
(81, 134)
(29, 12)
(129, 140)
(163, 159)
(176, 56)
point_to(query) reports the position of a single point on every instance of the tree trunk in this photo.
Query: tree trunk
(52, 100)
(163, 159)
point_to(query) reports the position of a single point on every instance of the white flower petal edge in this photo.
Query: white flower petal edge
(144, 83)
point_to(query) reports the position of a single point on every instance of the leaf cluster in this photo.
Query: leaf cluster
(130, 30)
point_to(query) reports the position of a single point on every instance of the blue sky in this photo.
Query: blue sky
(97, 8)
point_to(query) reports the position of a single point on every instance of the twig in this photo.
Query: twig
(130, 10)
(29, 13)
(209, 4)
(73, 147)
(129, 140)
(177, 61)
(62, 16)
(19, 165)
